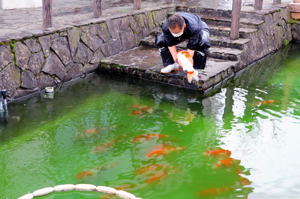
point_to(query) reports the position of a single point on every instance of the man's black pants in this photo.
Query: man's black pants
(199, 58)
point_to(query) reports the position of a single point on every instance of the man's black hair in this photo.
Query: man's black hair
(174, 21)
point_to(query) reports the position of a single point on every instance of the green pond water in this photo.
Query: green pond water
(91, 133)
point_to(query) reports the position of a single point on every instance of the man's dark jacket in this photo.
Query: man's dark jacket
(192, 33)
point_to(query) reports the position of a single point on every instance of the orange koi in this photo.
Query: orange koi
(214, 191)
(227, 162)
(162, 150)
(148, 168)
(104, 146)
(84, 174)
(148, 137)
(125, 187)
(157, 176)
(136, 112)
(218, 152)
(265, 102)
(91, 131)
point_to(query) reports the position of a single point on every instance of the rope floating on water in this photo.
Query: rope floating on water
(79, 187)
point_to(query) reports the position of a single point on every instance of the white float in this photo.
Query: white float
(85, 187)
(107, 190)
(64, 187)
(79, 187)
(43, 191)
(13, 4)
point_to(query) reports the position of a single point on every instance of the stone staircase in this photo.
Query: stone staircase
(224, 58)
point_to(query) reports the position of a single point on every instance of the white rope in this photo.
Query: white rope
(79, 187)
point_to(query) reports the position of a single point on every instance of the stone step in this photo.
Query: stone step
(145, 63)
(214, 40)
(218, 12)
(225, 31)
(227, 42)
(221, 21)
(217, 52)
(225, 53)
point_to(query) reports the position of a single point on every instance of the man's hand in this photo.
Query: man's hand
(173, 52)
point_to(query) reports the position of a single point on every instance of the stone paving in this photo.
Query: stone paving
(16, 23)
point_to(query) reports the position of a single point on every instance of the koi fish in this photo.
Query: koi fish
(184, 60)
(136, 112)
(214, 191)
(91, 131)
(265, 102)
(104, 146)
(125, 186)
(148, 137)
(218, 152)
(157, 176)
(148, 168)
(162, 150)
(84, 174)
(227, 162)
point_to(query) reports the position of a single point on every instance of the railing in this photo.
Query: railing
(97, 10)
(236, 12)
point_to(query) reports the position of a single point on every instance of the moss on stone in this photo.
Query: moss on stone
(292, 21)
(286, 42)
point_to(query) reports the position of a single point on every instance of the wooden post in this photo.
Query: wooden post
(97, 8)
(235, 19)
(137, 4)
(258, 4)
(276, 1)
(47, 13)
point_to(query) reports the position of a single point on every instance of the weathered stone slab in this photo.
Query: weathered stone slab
(22, 54)
(45, 42)
(10, 79)
(90, 38)
(5, 56)
(36, 62)
(54, 66)
(33, 45)
(83, 54)
(28, 80)
(74, 38)
(61, 48)
(296, 31)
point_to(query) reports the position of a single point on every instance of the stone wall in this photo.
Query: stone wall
(272, 35)
(296, 32)
(31, 63)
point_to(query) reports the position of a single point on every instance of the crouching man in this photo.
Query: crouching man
(178, 28)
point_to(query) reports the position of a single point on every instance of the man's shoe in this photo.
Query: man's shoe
(170, 68)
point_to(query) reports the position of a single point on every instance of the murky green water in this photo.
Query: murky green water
(91, 133)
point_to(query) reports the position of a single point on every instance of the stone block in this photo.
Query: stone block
(128, 40)
(28, 80)
(103, 32)
(74, 39)
(296, 32)
(36, 62)
(90, 38)
(54, 66)
(45, 42)
(45, 80)
(60, 46)
(5, 56)
(22, 54)
(10, 79)
(83, 54)
(74, 70)
(33, 45)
